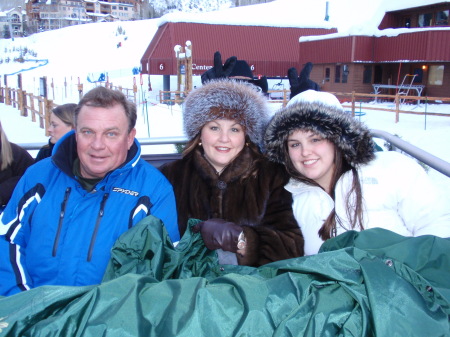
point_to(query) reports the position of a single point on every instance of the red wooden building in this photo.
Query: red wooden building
(418, 45)
(269, 51)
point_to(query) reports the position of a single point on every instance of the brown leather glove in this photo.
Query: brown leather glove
(219, 234)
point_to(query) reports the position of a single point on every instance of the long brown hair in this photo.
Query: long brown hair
(6, 157)
(354, 212)
(191, 145)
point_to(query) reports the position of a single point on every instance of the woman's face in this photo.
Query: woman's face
(222, 140)
(57, 128)
(312, 156)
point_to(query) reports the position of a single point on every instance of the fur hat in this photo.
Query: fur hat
(226, 99)
(321, 113)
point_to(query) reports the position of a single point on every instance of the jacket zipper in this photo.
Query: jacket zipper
(97, 225)
(61, 219)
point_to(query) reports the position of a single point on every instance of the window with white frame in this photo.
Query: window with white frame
(436, 75)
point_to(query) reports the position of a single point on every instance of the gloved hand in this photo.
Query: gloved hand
(219, 234)
(219, 70)
(262, 83)
(301, 83)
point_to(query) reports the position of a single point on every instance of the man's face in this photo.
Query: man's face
(102, 139)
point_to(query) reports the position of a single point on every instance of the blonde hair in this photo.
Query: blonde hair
(6, 157)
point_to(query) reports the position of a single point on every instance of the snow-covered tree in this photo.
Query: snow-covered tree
(191, 6)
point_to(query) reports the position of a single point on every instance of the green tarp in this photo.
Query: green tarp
(373, 283)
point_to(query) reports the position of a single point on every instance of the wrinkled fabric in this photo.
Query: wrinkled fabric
(372, 283)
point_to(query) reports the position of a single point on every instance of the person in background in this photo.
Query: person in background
(235, 69)
(224, 179)
(68, 210)
(302, 82)
(14, 161)
(61, 122)
(340, 183)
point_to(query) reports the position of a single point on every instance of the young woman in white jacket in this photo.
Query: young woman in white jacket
(338, 181)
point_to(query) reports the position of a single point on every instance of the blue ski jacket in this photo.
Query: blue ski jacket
(54, 232)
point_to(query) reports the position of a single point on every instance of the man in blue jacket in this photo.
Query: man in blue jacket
(68, 210)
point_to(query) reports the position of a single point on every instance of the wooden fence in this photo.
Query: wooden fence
(40, 107)
(397, 99)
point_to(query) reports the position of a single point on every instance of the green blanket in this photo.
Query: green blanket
(373, 283)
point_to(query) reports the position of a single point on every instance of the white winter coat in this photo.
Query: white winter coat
(397, 195)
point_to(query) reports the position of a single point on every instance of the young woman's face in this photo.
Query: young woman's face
(312, 156)
(57, 128)
(222, 140)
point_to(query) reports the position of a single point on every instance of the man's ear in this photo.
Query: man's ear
(131, 136)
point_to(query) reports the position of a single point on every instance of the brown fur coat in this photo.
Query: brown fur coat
(249, 192)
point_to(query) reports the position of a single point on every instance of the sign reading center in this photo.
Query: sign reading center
(203, 67)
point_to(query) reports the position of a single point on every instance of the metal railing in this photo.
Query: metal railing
(427, 158)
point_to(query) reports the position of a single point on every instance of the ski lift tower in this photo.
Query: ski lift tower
(184, 67)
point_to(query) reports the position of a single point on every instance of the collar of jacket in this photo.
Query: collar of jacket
(240, 168)
(65, 152)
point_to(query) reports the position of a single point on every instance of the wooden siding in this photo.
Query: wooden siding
(354, 80)
(342, 49)
(326, 51)
(271, 51)
(427, 46)
(392, 73)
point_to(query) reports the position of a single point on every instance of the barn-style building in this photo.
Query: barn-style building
(406, 41)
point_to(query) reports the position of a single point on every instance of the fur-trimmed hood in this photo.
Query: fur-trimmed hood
(321, 113)
(226, 99)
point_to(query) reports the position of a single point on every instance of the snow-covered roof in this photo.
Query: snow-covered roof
(278, 13)
(391, 32)
(356, 16)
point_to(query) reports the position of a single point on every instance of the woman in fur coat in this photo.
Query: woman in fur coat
(341, 181)
(224, 179)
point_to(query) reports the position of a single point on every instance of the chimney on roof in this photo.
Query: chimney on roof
(327, 17)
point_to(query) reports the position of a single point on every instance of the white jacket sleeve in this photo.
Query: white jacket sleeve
(420, 203)
(311, 206)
